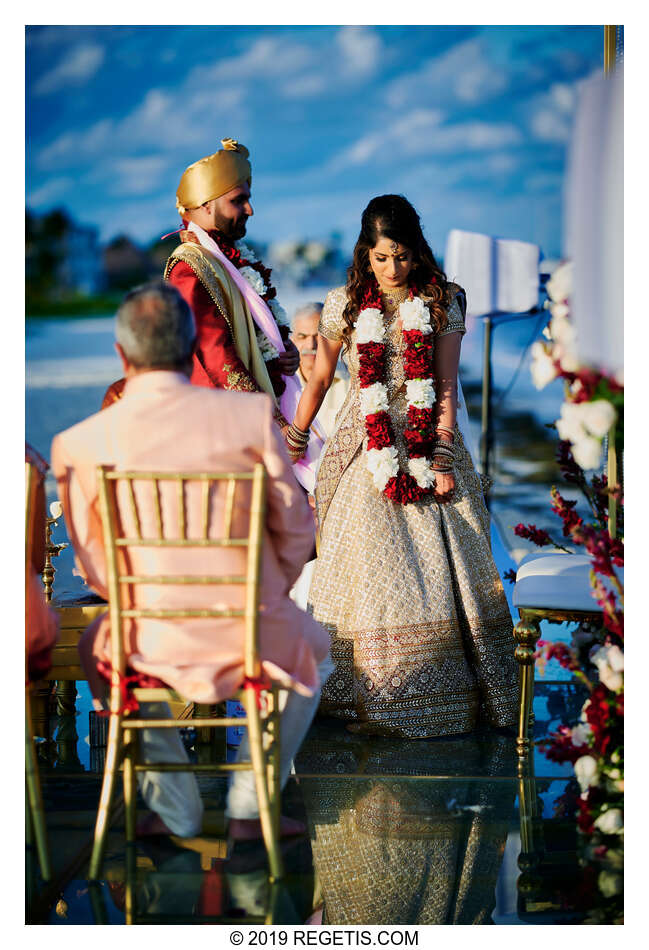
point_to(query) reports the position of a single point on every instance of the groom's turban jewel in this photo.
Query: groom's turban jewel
(214, 176)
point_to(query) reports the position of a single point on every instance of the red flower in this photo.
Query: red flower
(558, 747)
(404, 489)
(418, 444)
(379, 430)
(371, 367)
(566, 511)
(418, 355)
(422, 419)
(530, 532)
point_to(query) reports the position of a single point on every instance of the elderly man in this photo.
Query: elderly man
(163, 423)
(304, 333)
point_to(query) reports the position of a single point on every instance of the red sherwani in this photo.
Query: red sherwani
(216, 362)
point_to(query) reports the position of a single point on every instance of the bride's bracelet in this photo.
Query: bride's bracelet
(440, 428)
(297, 435)
(443, 448)
(296, 439)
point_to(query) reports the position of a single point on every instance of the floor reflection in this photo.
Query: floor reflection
(397, 849)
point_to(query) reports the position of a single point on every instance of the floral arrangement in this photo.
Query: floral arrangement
(594, 745)
(381, 453)
(594, 400)
(258, 276)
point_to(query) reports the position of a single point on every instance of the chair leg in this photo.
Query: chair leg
(274, 762)
(36, 813)
(113, 751)
(130, 790)
(526, 633)
(257, 757)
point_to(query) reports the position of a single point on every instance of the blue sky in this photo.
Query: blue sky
(470, 123)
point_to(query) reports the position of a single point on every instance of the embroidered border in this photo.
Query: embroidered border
(195, 257)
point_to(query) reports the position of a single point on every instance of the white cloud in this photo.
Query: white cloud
(551, 112)
(138, 176)
(464, 74)
(77, 66)
(269, 57)
(549, 126)
(48, 193)
(360, 49)
(421, 132)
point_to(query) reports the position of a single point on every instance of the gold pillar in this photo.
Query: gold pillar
(609, 49)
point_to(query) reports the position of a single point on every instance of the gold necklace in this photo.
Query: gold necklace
(393, 297)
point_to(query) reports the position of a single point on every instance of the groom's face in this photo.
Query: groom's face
(231, 212)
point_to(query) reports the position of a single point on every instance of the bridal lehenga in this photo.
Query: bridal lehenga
(420, 629)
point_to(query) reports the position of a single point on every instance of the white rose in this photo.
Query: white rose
(586, 772)
(254, 279)
(587, 452)
(420, 393)
(542, 368)
(422, 473)
(609, 883)
(561, 329)
(580, 734)
(560, 284)
(610, 675)
(610, 822)
(374, 398)
(383, 465)
(559, 312)
(415, 316)
(369, 326)
(268, 350)
(281, 317)
(599, 416)
(246, 252)
(570, 424)
(615, 857)
(567, 360)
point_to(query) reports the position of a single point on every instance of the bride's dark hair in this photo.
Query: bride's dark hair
(393, 217)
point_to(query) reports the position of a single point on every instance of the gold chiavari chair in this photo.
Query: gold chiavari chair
(263, 726)
(35, 815)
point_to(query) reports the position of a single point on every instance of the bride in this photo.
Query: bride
(405, 582)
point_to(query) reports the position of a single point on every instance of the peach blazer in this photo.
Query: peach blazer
(163, 423)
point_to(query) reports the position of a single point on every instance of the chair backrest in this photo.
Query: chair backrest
(116, 493)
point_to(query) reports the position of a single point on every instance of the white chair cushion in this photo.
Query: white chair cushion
(554, 580)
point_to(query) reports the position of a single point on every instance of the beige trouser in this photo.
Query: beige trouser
(174, 796)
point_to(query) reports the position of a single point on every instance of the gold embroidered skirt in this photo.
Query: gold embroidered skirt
(420, 629)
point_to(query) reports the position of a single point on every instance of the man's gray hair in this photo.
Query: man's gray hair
(155, 326)
(306, 310)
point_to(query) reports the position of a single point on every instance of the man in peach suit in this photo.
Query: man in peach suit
(163, 423)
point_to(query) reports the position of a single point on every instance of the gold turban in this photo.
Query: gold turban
(213, 176)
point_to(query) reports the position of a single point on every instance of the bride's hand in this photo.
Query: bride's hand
(188, 237)
(444, 487)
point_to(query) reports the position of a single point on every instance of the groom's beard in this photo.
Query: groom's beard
(232, 230)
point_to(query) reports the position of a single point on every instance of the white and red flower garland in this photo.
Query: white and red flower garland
(381, 454)
(258, 276)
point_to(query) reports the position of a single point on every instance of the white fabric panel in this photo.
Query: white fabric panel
(497, 274)
(555, 580)
(594, 221)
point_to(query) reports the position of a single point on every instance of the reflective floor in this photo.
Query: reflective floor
(439, 831)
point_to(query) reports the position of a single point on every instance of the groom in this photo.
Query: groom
(214, 193)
